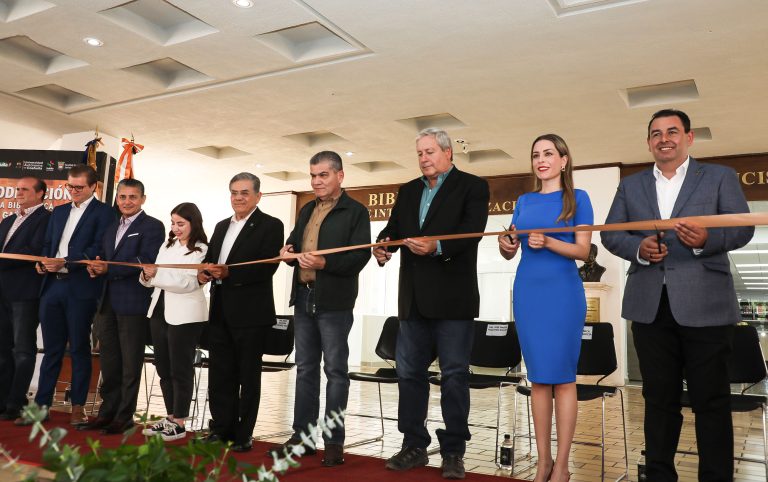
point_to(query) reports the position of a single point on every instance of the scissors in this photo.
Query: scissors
(659, 237)
(509, 236)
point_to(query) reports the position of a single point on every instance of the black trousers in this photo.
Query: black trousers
(121, 349)
(668, 353)
(174, 358)
(234, 376)
(18, 350)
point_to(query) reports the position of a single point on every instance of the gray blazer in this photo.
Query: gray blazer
(700, 288)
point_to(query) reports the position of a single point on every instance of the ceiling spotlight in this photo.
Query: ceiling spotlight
(243, 3)
(259, 166)
(349, 153)
(464, 145)
(93, 41)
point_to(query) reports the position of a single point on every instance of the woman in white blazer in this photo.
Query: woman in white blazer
(176, 314)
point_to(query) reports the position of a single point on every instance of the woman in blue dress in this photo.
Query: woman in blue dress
(548, 296)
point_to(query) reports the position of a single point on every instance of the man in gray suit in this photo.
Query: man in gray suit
(679, 295)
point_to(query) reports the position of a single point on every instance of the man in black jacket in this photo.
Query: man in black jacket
(438, 298)
(20, 233)
(242, 310)
(323, 295)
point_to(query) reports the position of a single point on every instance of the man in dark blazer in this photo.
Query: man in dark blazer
(20, 233)
(438, 298)
(68, 295)
(679, 295)
(242, 311)
(122, 323)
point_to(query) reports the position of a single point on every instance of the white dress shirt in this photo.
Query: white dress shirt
(233, 231)
(75, 214)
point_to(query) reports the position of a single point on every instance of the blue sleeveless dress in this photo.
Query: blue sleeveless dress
(548, 295)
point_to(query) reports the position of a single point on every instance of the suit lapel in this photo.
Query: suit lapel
(88, 211)
(692, 178)
(22, 229)
(4, 231)
(244, 233)
(448, 185)
(649, 185)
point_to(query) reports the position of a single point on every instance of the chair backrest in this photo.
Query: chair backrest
(279, 339)
(598, 354)
(387, 345)
(746, 363)
(495, 345)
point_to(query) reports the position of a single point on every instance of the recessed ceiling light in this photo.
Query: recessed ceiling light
(349, 153)
(243, 3)
(93, 41)
(259, 166)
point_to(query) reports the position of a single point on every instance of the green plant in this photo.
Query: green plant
(153, 460)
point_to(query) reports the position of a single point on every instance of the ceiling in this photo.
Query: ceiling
(263, 88)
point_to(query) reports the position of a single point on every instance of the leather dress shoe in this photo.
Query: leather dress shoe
(97, 424)
(78, 416)
(286, 446)
(334, 455)
(243, 446)
(10, 414)
(117, 427)
(212, 437)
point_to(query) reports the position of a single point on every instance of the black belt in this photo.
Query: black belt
(60, 275)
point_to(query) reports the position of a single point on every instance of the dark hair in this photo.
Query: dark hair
(191, 213)
(39, 185)
(566, 176)
(671, 113)
(80, 170)
(131, 183)
(247, 176)
(333, 158)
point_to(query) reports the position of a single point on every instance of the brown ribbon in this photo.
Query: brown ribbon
(713, 221)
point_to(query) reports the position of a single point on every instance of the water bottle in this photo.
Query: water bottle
(641, 475)
(505, 453)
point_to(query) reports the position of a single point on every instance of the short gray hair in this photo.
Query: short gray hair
(441, 137)
(333, 158)
(247, 176)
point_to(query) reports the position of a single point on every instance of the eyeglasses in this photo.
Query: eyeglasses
(71, 187)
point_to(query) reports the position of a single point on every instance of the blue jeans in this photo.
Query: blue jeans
(452, 340)
(319, 335)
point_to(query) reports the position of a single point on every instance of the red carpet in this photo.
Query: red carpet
(355, 468)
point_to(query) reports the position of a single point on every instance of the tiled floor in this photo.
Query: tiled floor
(277, 405)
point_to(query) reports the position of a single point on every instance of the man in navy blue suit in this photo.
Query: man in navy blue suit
(68, 296)
(20, 233)
(122, 322)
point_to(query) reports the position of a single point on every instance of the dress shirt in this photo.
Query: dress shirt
(122, 228)
(235, 226)
(667, 191)
(75, 213)
(312, 233)
(21, 216)
(427, 196)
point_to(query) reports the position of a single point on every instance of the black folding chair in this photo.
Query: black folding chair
(495, 345)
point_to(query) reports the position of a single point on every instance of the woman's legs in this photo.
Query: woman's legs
(566, 409)
(541, 405)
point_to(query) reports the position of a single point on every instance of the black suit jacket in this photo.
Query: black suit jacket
(140, 243)
(444, 286)
(246, 294)
(18, 279)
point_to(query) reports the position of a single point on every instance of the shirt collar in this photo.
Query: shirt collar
(28, 211)
(233, 219)
(680, 171)
(440, 178)
(83, 204)
(124, 220)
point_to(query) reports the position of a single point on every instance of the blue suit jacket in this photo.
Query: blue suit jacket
(700, 288)
(18, 279)
(84, 244)
(141, 242)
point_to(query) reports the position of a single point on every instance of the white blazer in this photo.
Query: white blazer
(184, 298)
